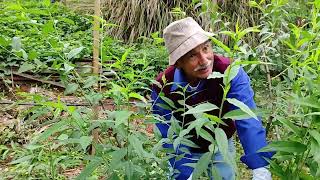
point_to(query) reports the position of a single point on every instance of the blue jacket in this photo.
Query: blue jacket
(251, 133)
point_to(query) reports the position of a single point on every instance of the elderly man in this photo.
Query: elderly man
(191, 61)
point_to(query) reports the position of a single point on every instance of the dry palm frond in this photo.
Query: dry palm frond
(136, 18)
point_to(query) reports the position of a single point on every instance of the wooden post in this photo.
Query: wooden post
(96, 64)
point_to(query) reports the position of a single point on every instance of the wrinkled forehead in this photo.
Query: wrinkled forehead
(199, 47)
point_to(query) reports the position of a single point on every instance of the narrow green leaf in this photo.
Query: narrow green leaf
(309, 101)
(207, 136)
(242, 106)
(222, 141)
(248, 30)
(23, 159)
(204, 107)
(168, 101)
(285, 146)
(238, 114)
(223, 145)
(57, 127)
(215, 173)
(88, 170)
(220, 44)
(291, 126)
(188, 143)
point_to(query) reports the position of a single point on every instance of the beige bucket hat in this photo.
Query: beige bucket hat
(182, 36)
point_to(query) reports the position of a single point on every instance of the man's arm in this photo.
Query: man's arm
(251, 133)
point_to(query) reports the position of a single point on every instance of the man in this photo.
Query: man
(191, 61)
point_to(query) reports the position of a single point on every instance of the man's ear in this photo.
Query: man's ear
(178, 64)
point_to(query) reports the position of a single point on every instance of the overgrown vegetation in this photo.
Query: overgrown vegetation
(54, 138)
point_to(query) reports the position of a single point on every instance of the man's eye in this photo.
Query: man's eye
(192, 55)
(205, 48)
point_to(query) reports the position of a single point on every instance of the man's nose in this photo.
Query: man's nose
(203, 58)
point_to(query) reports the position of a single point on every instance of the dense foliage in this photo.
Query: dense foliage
(53, 138)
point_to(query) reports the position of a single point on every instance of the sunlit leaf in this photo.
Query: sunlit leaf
(48, 28)
(74, 52)
(220, 44)
(204, 107)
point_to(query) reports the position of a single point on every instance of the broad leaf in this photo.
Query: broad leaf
(71, 88)
(74, 52)
(121, 117)
(315, 134)
(25, 67)
(85, 141)
(202, 165)
(242, 106)
(117, 157)
(230, 73)
(48, 28)
(223, 145)
(3, 42)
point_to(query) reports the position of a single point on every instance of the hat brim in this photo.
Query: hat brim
(192, 42)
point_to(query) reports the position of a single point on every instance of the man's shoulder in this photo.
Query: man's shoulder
(221, 63)
(168, 72)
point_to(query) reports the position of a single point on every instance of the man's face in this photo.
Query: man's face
(197, 63)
